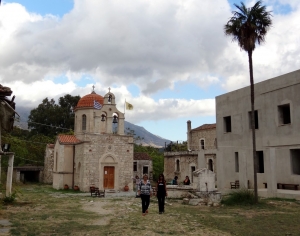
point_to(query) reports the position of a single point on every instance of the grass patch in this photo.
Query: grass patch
(52, 212)
(239, 197)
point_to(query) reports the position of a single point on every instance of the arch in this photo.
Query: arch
(108, 161)
(83, 127)
(211, 164)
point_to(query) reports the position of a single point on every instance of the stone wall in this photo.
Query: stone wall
(103, 150)
(209, 136)
(48, 165)
(186, 161)
(140, 165)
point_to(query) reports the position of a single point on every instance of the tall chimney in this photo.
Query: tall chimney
(189, 135)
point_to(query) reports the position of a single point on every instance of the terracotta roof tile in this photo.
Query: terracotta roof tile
(68, 139)
(88, 100)
(141, 156)
(50, 145)
(204, 127)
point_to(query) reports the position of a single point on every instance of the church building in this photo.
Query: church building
(98, 154)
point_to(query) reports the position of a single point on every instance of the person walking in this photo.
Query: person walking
(161, 193)
(145, 192)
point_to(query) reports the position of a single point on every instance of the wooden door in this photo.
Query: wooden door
(109, 177)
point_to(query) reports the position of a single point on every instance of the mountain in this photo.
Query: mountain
(142, 136)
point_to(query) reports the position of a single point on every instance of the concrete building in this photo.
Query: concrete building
(201, 153)
(98, 154)
(277, 112)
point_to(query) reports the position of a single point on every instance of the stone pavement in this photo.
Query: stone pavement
(4, 227)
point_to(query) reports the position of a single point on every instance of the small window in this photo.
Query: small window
(295, 161)
(135, 166)
(177, 165)
(237, 166)
(255, 119)
(260, 162)
(202, 143)
(227, 124)
(284, 114)
(83, 122)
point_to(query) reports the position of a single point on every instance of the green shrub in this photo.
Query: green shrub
(9, 199)
(239, 197)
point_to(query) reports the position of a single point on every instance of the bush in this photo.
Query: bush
(239, 197)
(9, 199)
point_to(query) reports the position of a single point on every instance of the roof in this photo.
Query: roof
(205, 127)
(141, 156)
(68, 139)
(88, 100)
(50, 145)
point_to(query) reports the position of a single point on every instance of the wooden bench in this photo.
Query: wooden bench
(96, 192)
(287, 186)
(235, 184)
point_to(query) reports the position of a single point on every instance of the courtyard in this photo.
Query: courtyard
(41, 210)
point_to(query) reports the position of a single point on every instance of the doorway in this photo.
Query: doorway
(145, 170)
(109, 177)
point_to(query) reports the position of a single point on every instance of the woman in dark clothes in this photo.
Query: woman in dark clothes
(187, 181)
(161, 193)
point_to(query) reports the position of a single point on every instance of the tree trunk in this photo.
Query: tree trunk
(253, 125)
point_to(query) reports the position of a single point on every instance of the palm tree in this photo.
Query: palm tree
(249, 26)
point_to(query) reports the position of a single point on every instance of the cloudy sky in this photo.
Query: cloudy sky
(168, 58)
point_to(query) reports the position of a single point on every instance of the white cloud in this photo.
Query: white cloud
(152, 44)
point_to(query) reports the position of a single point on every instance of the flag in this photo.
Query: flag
(128, 106)
(97, 105)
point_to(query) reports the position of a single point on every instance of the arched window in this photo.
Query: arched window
(202, 145)
(83, 122)
(177, 165)
(210, 165)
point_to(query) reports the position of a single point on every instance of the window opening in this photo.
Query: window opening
(255, 119)
(284, 114)
(210, 165)
(202, 143)
(83, 122)
(227, 124)
(260, 162)
(295, 161)
(193, 168)
(177, 165)
(237, 167)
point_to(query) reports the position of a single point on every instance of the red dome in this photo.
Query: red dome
(88, 100)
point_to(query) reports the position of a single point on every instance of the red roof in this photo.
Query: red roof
(204, 127)
(141, 156)
(88, 100)
(68, 139)
(50, 145)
